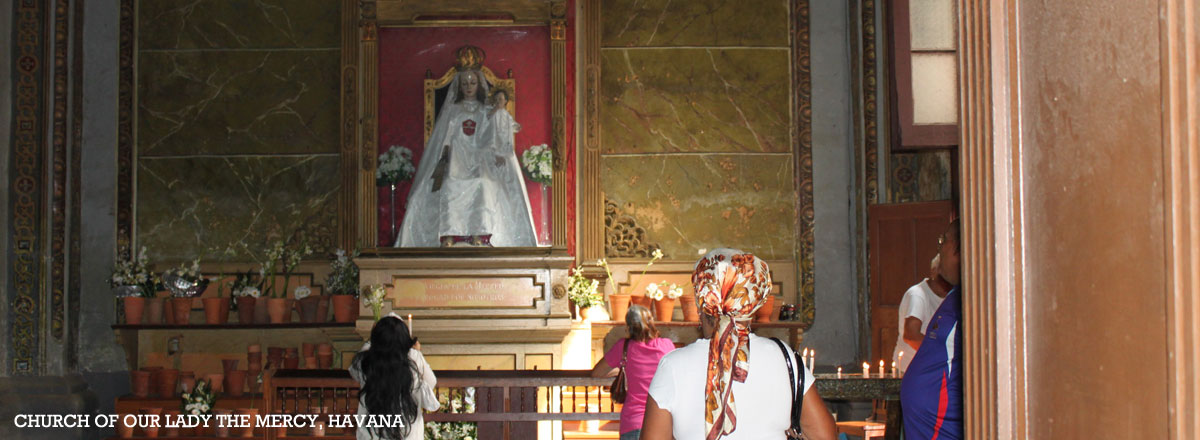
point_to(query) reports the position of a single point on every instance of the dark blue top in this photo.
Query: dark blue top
(931, 392)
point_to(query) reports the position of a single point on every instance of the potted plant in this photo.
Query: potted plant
(185, 283)
(200, 400)
(276, 304)
(290, 256)
(664, 300)
(343, 286)
(635, 297)
(133, 282)
(454, 401)
(308, 303)
(584, 293)
(247, 296)
(395, 166)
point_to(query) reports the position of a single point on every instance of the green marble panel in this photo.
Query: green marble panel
(692, 202)
(659, 23)
(238, 24)
(689, 100)
(187, 206)
(207, 102)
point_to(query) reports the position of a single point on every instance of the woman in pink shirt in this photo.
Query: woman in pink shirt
(641, 360)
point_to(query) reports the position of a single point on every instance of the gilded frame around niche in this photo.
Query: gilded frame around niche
(364, 74)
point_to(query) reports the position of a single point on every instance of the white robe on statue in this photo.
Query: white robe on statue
(478, 196)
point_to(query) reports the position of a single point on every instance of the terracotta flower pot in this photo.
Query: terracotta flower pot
(585, 313)
(153, 313)
(248, 431)
(345, 308)
(291, 363)
(235, 382)
(187, 381)
(216, 310)
(228, 364)
(619, 305)
(324, 348)
(218, 429)
(168, 379)
(183, 310)
(690, 312)
(763, 314)
(308, 308)
(323, 309)
(169, 431)
(139, 383)
(277, 309)
(151, 429)
(664, 309)
(245, 306)
(308, 349)
(324, 360)
(254, 348)
(261, 316)
(217, 381)
(125, 430)
(134, 307)
(310, 362)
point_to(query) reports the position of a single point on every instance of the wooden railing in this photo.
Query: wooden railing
(507, 404)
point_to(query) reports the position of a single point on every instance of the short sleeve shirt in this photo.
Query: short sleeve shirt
(763, 401)
(640, 364)
(931, 392)
(919, 302)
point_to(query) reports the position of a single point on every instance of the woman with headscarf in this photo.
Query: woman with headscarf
(395, 380)
(639, 353)
(740, 392)
(468, 186)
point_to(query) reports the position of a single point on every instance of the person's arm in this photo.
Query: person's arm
(601, 369)
(815, 420)
(912, 332)
(656, 424)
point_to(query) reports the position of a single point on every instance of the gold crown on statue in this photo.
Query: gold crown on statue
(468, 58)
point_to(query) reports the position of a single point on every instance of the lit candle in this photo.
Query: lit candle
(804, 355)
(812, 358)
(893, 368)
(900, 359)
(866, 370)
(410, 330)
(881, 368)
(839, 376)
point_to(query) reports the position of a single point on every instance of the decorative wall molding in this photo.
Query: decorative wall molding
(870, 95)
(26, 193)
(591, 199)
(127, 53)
(58, 177)
(804, 160)
(622, 235)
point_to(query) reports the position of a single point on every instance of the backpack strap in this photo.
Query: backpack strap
(797, 393)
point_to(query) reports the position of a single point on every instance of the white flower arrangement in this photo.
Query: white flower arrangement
(249, 291)
(653, 292)
(582, 291)
(302, 292)
(454, 401)
(200, 400)
(375, 299)
(675, 291)
(395, 166)
(538, 163)
(135, 271)
(343, 278)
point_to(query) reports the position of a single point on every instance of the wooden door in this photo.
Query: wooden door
(902, 240)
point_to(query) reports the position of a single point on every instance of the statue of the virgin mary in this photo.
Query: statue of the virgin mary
(468, 189)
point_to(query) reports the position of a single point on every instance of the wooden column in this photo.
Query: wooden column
(591, 198)
(368, 32)
(1180, 39)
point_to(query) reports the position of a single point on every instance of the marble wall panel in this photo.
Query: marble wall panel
(628, 23)
(692, 100)
(691, 202)
(224, 24)
(188, 205)
(237, 102)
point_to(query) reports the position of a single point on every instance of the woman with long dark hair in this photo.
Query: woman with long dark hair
(395, 380)
(639, 353)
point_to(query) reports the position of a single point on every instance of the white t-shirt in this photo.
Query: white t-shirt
(763, 402)
(919, 302)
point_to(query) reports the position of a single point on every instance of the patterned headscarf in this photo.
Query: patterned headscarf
(730, 285)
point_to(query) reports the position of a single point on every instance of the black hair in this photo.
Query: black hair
(388, 376)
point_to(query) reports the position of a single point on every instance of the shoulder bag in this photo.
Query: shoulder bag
(619, 387)
(797, 393)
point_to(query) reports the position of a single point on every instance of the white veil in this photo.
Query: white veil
(426, 210)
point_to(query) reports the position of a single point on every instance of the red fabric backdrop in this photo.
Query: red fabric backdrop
(405, 54)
